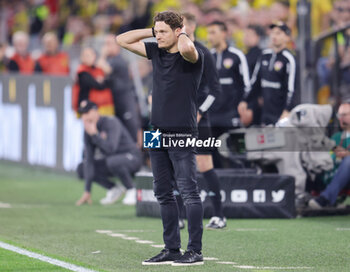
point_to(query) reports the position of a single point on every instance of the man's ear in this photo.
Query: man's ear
(177, 31)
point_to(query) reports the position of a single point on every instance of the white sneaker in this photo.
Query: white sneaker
(112, 195)
(216, 223)
(130, 197)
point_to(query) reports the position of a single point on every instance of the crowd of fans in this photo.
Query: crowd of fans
(78, 23)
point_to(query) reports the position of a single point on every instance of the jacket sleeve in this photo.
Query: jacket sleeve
(12, 66)
(87, 80)
(88, 163)
(244, 72)
(212, 79)
(111, 143)
(290, 78)
(255, 81)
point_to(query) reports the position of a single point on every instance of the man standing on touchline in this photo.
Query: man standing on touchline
(177, 69)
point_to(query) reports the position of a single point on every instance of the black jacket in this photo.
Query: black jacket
(275, 75)
(234, 79)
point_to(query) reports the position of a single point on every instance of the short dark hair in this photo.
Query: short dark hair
(220, 24)
(85, 106)
(257, 29)
(171, 18)
(285, 3)
(346, 101)
(189, 17)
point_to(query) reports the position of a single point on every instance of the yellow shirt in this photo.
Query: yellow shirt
(319, 8)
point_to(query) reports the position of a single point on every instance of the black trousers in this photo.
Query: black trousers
(126, 108)
(122, 165)
(178, 166)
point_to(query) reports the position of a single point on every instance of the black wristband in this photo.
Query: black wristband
(154, 34)
(183, 33)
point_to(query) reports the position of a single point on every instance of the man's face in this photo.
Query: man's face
(278, 37)
(166, 37)
(215, 35)
(51, 45)
(21, 46)
(190, 27)
(111, 46)
(251, 39)
(344, 116)
(90, 118)
(88, 57)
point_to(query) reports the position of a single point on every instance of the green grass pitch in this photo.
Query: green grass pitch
(44, 219)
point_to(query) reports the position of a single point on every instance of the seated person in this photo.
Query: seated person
(21, 61)
(52, 61)
(108, 151)
(340, 176)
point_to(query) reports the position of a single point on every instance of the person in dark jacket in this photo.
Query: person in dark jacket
(108, 151)
(125, 101)
(252, 37)
(275, 75)
(209, 90)
(233, 71)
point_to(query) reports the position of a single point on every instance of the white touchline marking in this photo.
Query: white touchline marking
(210, 259)
(5, 205)
(245, 266)
(144, 242)
(271, 267)
(226, 262)
(342, 229)
(116, 234)
(135, 230)
(104, 231)
(96, 252)
(71, 267)
(158, 246)
(255, 229)
(130, 238)
(282, 268)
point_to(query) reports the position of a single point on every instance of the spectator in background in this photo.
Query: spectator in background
(125, 103)
(252, 36)
(320, 15)
(21, 62)
(209, 89)
(340, 15)
(280, 11)
(91, 84)
(233, 71)
(275, 75)
(52, 61)
(339, 177)
(108, 151)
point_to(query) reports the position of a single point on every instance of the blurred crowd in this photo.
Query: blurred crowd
(50, 36)
(77, 22)
(37, 33)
